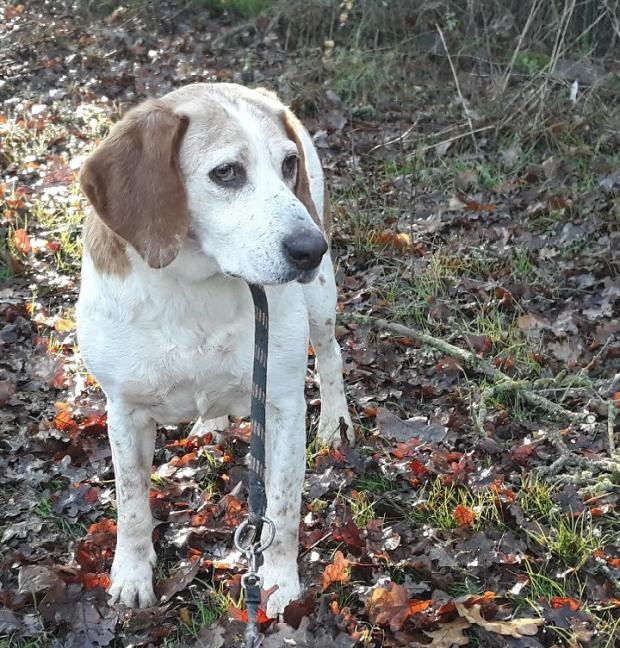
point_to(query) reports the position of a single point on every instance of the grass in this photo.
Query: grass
(572, 540)
(11, 641)
(245, 8)
(44, 509)
(362, 508)
(206, 611)
(437, 503)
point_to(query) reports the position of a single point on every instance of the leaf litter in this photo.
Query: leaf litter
(508, 257)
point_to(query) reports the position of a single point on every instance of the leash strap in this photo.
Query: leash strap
(248, 534)
(257, 499)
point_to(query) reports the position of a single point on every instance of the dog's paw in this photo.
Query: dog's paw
(132, 584)
(288, 590)
(328, 433)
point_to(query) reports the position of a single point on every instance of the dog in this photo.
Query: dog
(194, 196)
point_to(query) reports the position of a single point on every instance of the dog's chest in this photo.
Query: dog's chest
(178, 350)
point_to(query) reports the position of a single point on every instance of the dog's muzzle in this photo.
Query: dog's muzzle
(304, 249)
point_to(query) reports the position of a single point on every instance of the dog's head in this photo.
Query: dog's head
(221, 164)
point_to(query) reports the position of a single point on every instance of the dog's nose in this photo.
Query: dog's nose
(305, 249)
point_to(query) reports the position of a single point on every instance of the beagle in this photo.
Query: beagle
(195, 195)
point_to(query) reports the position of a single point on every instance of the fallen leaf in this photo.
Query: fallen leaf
(398, 240)
(561, 601)
(183, 576)
(519, 627)
(419, 427)
(21, 241)
(338, 572)
(463, 516)
(392, 606)
(33, 579)
(64, 325)
(450, 634)
(241, 614)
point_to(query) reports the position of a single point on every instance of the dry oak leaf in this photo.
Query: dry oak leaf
(449, 634)
(514, 628)
(393, 606)
(338, 572)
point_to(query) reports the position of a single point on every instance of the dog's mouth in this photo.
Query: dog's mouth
(300, 276)
(307, 276)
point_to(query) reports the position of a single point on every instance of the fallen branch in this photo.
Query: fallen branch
(502, 382)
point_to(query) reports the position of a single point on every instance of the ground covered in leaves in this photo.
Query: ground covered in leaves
(479, 506)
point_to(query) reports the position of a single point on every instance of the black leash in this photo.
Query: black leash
(248, 534)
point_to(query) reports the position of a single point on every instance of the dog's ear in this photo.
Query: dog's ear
(133, 181)
(302, 184)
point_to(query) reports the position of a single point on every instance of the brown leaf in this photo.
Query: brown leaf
(33, 579)
(338, 572)
(182, 577)
(392, 606)
(7, 389)
(450, 634)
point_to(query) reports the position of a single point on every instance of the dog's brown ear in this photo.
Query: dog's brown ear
(133, 181)
(302, 184)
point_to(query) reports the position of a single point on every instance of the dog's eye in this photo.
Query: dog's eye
(289, 166)
(225, 173)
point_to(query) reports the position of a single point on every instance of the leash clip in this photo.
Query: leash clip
(254, 549)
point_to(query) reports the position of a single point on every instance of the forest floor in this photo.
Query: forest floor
(479, 506)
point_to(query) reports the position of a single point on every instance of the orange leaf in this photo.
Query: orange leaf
(239, 614)
(91, 581)
(337, 572)
(370, 410)
(418, 468)
(463, 516)
(614, 562)
(472, 205)
(63, 421)
(616, 399)
(21, 241)
(479, 600)
(560, 601)
(103, 526)
(398, 240)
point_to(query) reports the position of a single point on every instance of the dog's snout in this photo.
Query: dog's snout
(305, 248)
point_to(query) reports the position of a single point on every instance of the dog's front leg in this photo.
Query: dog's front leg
(286, 462)
(132, 439)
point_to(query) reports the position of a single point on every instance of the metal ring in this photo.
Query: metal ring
(261, 547)
(246, 577)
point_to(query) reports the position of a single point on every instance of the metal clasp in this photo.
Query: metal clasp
(254, 547)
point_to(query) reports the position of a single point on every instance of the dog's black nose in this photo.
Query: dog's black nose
(305, 248)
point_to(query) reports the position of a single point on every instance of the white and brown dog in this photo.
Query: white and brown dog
(194, 195)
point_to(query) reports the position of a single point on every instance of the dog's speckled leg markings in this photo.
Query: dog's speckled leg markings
(286, 452)
(320, 298)
(132, 439)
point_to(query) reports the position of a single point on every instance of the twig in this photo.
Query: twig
(612, 410)
(398, 138)
(458, 88)
(503, 382)
(455, 138)
(528, 22)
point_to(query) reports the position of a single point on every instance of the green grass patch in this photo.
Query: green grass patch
(437, 506)
(245, 8)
